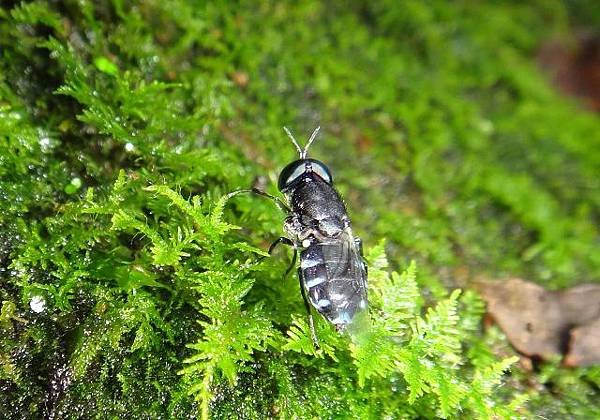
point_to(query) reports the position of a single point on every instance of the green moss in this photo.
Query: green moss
(123, 126)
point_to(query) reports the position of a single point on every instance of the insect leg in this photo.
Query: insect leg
(285, 241)
(311, 322)
(280, 240)
(363, 262)
(292, 264)
(359, 244)
(277, 201)
(256, 191)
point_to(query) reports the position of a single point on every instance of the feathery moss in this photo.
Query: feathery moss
(123, 127)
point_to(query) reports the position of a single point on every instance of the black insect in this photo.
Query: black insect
(332, 272)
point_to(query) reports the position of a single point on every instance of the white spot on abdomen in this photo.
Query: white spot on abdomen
(309, 262)
(343, 318)
(323, 303)
(315, 281)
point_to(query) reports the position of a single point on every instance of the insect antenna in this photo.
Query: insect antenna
(312, 138)
(291, 136)
(302, 152)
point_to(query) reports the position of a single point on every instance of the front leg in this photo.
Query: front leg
(260, 193)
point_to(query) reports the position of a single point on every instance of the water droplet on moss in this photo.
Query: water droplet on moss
(15, 115)
(37, 304)
(45, 143)
(73, 186)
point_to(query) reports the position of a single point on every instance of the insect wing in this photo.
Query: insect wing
(344, 291)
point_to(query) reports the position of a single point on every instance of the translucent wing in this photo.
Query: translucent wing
(334, 276)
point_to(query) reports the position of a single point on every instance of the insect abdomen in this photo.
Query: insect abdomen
(332, 280)
(314, 277)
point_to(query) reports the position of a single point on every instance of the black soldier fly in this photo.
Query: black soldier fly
(332, 272)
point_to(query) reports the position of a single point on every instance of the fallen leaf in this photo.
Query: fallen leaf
(580, 304)
(528, 315)
(546, 324)
(584, 348)
(574, 67)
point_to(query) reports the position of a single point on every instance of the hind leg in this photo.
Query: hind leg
(311, 322)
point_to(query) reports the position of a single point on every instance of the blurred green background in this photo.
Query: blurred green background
(441, 122)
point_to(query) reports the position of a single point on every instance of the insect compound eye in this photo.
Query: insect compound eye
(295, 169)
(320, 169)
(290, 173)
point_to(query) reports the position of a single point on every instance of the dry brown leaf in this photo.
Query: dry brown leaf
(580, 304)
(584, 348)
(546, 324)
(575, 67)
(528, 315)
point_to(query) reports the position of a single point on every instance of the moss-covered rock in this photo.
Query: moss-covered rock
(132, 285)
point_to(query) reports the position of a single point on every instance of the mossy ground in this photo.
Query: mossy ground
(122, 124)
